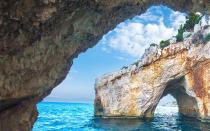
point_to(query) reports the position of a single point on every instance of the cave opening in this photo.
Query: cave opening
(184, 102)
(120, 47)
(167, 106)
(123, 45)
(41, 39)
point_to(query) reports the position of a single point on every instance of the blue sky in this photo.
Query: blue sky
(119, 47)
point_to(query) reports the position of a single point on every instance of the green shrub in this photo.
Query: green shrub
(124, 67)
(207, 38)
(136, 63)
(188, 35)
(164, 44)
(153, 44)
(192, 20)
(179, 36)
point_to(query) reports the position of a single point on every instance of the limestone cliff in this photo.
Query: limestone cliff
(40, 38)
(181, 69)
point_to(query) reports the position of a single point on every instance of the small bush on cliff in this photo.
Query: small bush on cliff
(136, 63)
(164, 44)
(153, 44)
(124, 67)
(179, 36)
(207, 38)
(192, 20)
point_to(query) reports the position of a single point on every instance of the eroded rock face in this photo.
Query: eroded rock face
(40, 38)
(181, 69)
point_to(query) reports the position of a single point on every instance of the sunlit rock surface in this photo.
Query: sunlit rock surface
(40, 38)
(181, 69)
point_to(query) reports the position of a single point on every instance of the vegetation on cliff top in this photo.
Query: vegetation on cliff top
(164, 43)
(192, 20)
(207, 38)
(153, 44)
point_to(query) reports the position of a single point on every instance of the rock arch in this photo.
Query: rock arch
(181, 70)
(187, 104)
(39, 40)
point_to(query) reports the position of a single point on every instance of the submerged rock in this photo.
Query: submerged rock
(181, 69)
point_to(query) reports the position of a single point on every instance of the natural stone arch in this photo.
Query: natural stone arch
(180, 69)
(40, 39)
(187, 104)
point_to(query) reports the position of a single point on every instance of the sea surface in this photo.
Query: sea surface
(79, 117)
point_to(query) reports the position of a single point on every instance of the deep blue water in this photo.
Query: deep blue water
(79, 117)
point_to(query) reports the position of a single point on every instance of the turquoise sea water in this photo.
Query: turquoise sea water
(79, 117)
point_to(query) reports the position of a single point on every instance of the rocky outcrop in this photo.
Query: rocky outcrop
(181, 69)
(40, 39)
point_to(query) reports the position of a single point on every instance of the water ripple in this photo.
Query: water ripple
(79, 117)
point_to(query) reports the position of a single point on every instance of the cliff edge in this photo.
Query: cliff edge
(180, 69)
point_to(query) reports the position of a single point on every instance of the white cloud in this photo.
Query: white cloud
(105, 50)
(148, 16)
(120, 58)
(134, 37)
(177, 19)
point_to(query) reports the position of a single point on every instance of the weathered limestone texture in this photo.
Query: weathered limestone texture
(181, 69)
(40, 38)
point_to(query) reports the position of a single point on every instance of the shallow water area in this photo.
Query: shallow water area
(79, 117)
